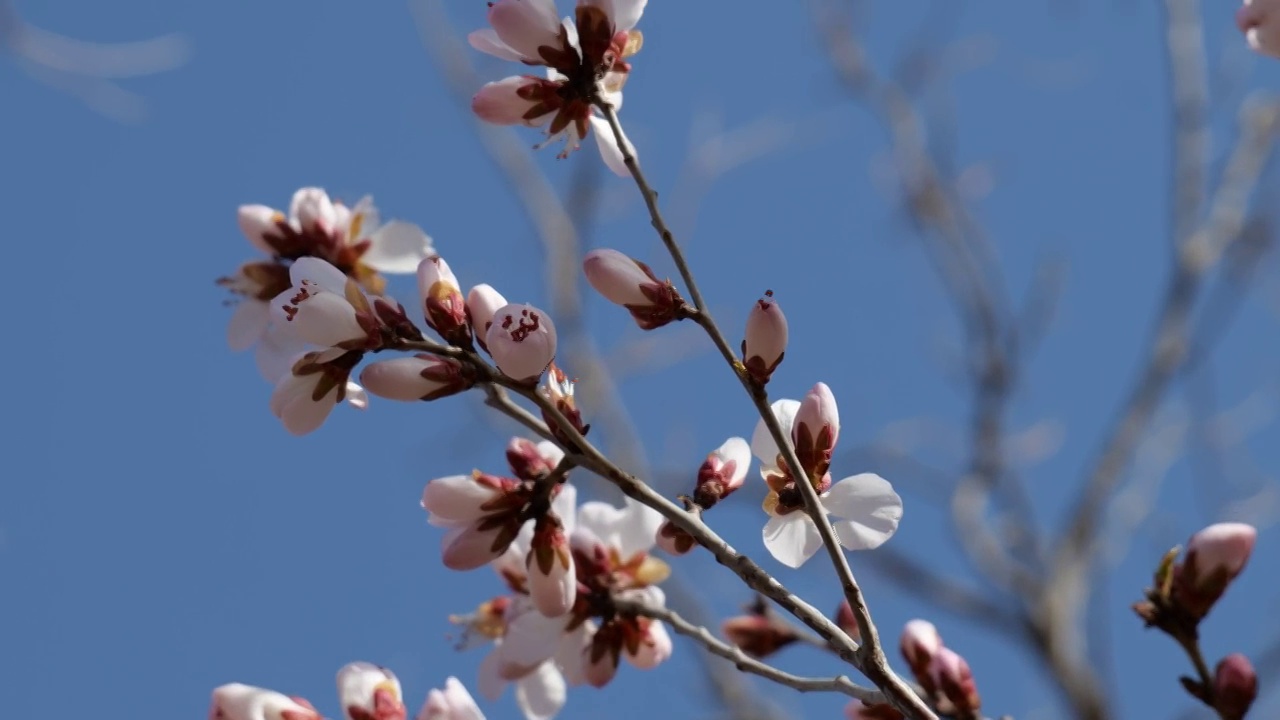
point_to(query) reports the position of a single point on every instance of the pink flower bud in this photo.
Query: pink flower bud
(482, 302)
(954, 682)
(673, 540)
(314, 386)
(443, 306)
(600, 657)
(313, 210)
(532, 461)
(461, 499)
(260, 224)
(630, 283)
(758, 635)
(766, 338)
(318, 307)
(517, 100)
(467, 547)
(452, 703)
(815, 430)
(722, 472)
(522, 341)
(654, 645)
(919, 643)
(1215, 556)
(369, 692)
(237, 701)
(421, 377)
(1235, 686)
(1260, 23)
(846, 621)
(553, 586)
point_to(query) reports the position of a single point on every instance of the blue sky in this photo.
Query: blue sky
(161, 534)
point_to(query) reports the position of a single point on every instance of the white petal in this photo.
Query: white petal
(397, 248)
(278, 351)
(541, 694)
(626, 13)
(531, 638)
(608, 146)
(457, 498)
(487, 41)
(526, 25)
(489, 681)
(319, 272)
(762, 444)
(869, 510)
(565, 505)
(792, 538)
(248, 324)
(356, 396)
(569, 654)
(639, 529)
(461, 705)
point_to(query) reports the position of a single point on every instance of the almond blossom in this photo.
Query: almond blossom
(586, 63)
(864, 508)
(630, 283)
(324, 307)
(1215, 556)
(314, 385)
(370, 692)
(237, 701)
(451, 703)
(522, 341)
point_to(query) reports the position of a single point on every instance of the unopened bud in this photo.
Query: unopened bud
(758, 635)
(532, 461)
(846, 620)
(443, 306)
(722, 472)
(370, 692)
(552, 583)
(482, 303)
(955, 685)
(558, 388)
(765, 341)
(1215, 556)
(522, 341)
(652, 644)
(421, 377)
(673, 540)
(1235, 686)
(815, 430)
(919, 643)
(602, 655)
(630, 283)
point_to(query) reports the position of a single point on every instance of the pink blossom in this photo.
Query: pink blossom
(1259, 20)
(522, 341)
(369, 692)
(443, 306)
(237, 701)
(1235, 686)
(766, 338)
(451, 703)
(630, 283)
(420, 377)
(482, 302)
(722, 472)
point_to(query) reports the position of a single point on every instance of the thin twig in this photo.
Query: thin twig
(869, 658)
(744, 662)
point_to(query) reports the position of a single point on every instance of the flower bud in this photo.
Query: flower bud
(421, 377)
(1215, 556)
(846, 621)
(510, 101)
(919, 643)
(369, 692)
(532, 461)
(765, 341)
(815, 431)
(653, 646)
(452, 703)
(1260, 23)
(522, 341)
(237, 701)
(443, 306)
(319, 307)
(314, 386)
(1235, 685)
(313, 210)
(673, 540)
(261, 224)
(630, 283)
(462, 498)
(553, 586)
(558, 388)
(467, 547)
(722, 472)
(758, 635)
(954, 682)
(482, 302)
(601, 655)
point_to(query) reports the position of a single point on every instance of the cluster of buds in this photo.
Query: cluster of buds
(942, 673)
(365, 691)
(586, 61)
(1181, 597)
(484, 513)
(721, 473)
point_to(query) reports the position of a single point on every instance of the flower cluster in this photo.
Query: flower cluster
(942, 673)
(585, 58)
(365, 692)
(568, 573)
